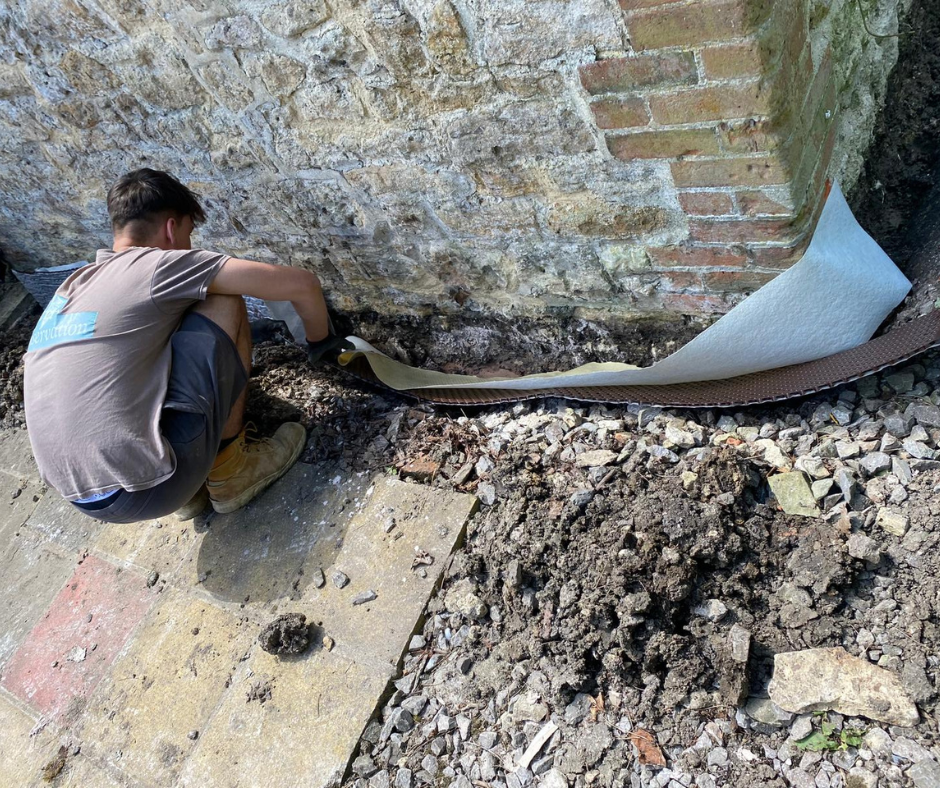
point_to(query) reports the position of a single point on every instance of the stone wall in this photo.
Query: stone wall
(520, 156)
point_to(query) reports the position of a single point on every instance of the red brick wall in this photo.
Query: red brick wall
(729, 94)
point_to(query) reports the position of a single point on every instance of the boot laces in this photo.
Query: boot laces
(253, 440)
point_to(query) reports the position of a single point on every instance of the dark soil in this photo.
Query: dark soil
(287, 634)
(481, 343)
(54, 768)
(13, 345)
(600, 598)
(903, 162)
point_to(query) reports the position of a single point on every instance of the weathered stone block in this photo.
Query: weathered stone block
(563, 27)
(241, 32)
(158, 74)
(447, 39)
(585, 214)
(396, 34)
(335, 100)
(223, 80)
(520, 130)
(291, 18)
(489, 216)
(87, 75)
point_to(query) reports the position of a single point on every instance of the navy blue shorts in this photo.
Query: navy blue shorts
(206, 379)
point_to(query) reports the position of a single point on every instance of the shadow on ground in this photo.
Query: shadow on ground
(271, 551)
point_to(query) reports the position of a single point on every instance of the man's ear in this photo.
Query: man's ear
(170, 230)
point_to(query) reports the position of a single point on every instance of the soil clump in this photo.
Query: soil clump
(286, 634)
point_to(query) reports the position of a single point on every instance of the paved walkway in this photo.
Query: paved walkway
(130, 652)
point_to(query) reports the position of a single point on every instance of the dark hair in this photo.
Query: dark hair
(143, 193)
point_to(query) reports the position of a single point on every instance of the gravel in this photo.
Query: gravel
(843, 577)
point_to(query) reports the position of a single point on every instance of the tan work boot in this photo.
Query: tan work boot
(246, 466)
(195, 506)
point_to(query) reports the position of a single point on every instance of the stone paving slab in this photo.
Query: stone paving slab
(61, 661)
(21, 756)
(304, 734)
(426, 521)
(152, 546)
(79, 772)
(18, 498)
(31, 573)
(159, 696)
(15, 302)
(59, 521)
(16, 455)
(166, 685)
(253, 558)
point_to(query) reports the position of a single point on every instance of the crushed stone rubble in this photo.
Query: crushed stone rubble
(632, 574)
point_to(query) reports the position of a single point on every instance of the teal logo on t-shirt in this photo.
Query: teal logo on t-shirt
(54, 328)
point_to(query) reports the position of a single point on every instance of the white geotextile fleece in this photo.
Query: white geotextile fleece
(833, 299)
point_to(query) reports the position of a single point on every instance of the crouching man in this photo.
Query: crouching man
(136, 374)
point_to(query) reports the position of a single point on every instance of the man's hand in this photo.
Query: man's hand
(327, 349)
(277, 283)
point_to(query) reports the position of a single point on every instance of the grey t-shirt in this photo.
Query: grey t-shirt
(97, 368)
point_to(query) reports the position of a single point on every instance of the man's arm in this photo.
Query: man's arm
(277, 283)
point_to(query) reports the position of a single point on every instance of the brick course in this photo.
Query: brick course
(707, 203)
(732, 61)
(742, 114)
(704, 21)
(755, 171)
(664, 144)
(687, 255)
(719, 103)
(620, 113)
(629, 73)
